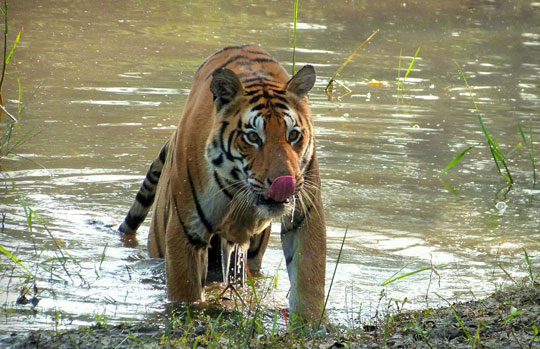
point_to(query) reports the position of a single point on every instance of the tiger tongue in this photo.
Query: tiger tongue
(281, 188)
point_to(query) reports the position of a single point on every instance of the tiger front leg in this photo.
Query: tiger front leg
(186, 266)
(304, 244)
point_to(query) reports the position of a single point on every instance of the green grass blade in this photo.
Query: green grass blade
(529, 267)
(333, 275)
(294, 37)
(396, 278)
(467, 85)
(13, 258)
(458, 158)
(411, 64)
(513, 315)
(14, 47)
(103, 255)
(401, 82)
(496, 153)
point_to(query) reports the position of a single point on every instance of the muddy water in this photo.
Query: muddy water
(103, 86)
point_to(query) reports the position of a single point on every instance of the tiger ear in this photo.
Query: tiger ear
(225, 87)
(302, 82)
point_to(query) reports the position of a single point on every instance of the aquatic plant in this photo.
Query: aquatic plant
(330, 86)
(6, 134)
(499, 159)
(400, 81)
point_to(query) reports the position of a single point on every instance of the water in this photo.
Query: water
(104, 85)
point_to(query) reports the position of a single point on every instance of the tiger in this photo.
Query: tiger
(243, 154)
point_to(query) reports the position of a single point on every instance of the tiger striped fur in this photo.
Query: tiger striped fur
(242, 155)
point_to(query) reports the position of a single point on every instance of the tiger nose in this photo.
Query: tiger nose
(281, 188)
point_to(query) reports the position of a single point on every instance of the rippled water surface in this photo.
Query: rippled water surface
(103, 85)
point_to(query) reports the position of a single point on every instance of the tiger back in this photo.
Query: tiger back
(243, 155)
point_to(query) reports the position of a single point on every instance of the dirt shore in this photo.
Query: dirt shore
(507, 319)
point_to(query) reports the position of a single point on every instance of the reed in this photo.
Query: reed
(330, 86)
(295, 20)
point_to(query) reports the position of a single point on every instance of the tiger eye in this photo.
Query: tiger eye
(253, 137)
(294, 135)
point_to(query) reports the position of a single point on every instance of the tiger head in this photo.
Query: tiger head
(262, 142)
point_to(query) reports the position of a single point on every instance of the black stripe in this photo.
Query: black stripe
(224, 125)
(228, 48)
(145, 200)
(229, 142)
(193, 240)
(148, 187)
(261, 84)
(281, 105)
(252, 92)
(263, 60)
(220, 185)
(281, 98)
(152, 179)
(253, 253)
(163, 153)
(288, 259)
(229, 61)
(218, 161)
(254, 99)
(133, 221)
(234, 174)
(258, 107)
(257, 78)
(262, 53)
(200, 211)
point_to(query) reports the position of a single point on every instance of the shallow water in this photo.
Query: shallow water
(104, 85)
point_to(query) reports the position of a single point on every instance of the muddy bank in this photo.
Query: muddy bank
(508, 318)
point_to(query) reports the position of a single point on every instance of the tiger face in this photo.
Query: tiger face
(262, 140)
